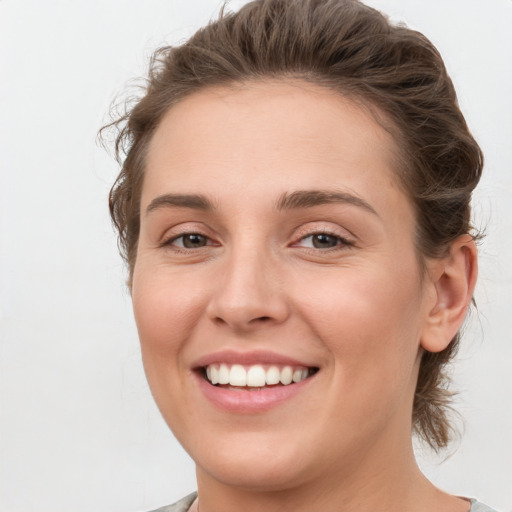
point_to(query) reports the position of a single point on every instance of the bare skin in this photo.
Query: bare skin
(272, 223)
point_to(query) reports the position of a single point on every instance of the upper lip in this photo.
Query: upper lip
(248, 358)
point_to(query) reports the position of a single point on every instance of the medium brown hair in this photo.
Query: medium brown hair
(351, 48)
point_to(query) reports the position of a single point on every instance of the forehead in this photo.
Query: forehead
(270, 137)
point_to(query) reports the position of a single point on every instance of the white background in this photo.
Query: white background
(79, 431)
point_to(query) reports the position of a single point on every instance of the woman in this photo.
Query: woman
(294, 209)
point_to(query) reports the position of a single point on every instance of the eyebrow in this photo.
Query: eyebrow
(287, 201)
(310, 198)
(193, 201)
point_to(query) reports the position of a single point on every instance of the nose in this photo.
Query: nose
(249, 293)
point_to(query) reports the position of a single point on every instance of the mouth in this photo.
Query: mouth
(254, 377)
(253, 382)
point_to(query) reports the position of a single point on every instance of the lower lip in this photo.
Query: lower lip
(243, 401)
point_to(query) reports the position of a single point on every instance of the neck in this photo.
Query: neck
(363, 485)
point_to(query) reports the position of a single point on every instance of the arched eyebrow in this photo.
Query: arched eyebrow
(310, 198)
(193, 201)
(287, 201)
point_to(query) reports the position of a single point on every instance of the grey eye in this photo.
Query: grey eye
(324, 241)
(191, 241)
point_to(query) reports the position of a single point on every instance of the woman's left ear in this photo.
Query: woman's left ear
(453, 279)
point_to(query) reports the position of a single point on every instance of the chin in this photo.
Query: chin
(248, 474)
(248, 462)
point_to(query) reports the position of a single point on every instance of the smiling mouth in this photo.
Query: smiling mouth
(255, 377)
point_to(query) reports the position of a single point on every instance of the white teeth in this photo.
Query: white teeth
(297, 376)
(286, 375)
(273, 375)
(237, 376)
(254, 376)
(214, 374)
(223, 374)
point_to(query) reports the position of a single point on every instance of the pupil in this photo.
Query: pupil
(194, 240)
(323, 241)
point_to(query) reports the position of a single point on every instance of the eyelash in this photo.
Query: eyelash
(342, 243)
(171, 241)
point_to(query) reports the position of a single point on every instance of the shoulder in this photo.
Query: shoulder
(180, 506)
(476, 506)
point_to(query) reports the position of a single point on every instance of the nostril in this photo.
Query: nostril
(262, 319)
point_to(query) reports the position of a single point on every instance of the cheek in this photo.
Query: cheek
(370, 320)
(166, 309)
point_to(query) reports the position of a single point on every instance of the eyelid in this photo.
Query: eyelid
(172, 241)
(181, 230)
(341, 243)
(169, 241)
(344, 235)
(346, 238)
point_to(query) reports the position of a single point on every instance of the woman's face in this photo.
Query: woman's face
(276, 245)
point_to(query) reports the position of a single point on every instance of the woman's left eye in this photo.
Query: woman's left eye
(322, 241)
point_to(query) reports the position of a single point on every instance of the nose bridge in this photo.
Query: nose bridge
(248, 292)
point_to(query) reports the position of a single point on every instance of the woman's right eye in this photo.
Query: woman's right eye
(190, 241)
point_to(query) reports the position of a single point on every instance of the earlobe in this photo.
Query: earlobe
(453, 278)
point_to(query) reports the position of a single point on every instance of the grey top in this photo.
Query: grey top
(476, 506)
(180, 506)
(184, 504)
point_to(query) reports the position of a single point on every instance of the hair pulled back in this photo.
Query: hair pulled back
(353, 49)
